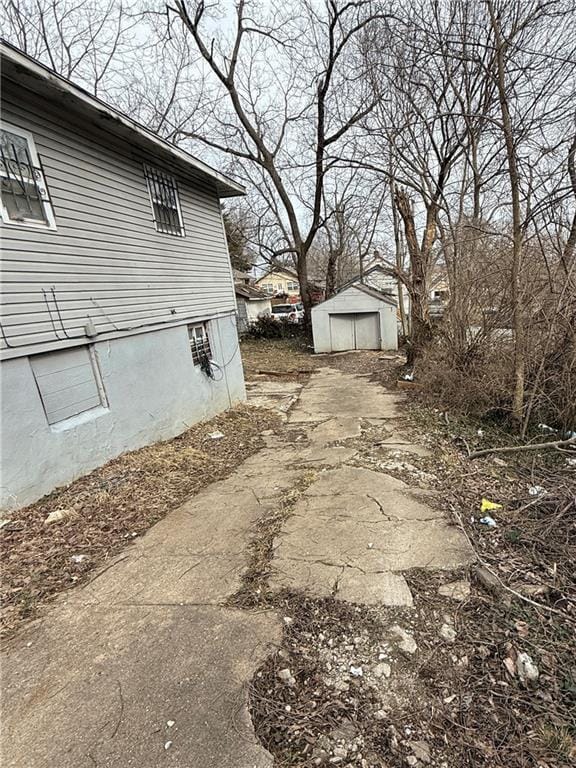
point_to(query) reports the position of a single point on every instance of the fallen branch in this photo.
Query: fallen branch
(558, 444)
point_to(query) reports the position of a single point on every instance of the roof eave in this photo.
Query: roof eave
(225, 187)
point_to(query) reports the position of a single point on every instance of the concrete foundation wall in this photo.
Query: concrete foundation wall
(153, 392)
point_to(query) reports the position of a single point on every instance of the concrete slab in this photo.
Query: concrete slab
(276, 395)
(406, 447)
(150, 640)
(375, 546)
(341, 428)
(354, 480)
(383, 588)
(165, 579)
(327, 457)
(98, 687)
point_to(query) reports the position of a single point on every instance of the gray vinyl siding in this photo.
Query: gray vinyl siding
(105, 261)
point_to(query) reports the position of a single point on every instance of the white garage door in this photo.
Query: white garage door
(355, 331)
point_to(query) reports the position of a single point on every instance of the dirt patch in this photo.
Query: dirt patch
(294, 359)
(289, 359)
(111, 506)
(326, 698)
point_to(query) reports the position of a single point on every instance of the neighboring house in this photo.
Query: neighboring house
(280, 282)
(378, 277)
(358, 317)
(117, 288)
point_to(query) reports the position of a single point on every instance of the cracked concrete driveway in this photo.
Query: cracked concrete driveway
(147, 665)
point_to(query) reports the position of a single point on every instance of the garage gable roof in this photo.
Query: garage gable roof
(367, 289)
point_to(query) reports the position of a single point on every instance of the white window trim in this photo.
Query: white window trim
(50, 222)
(148, 167)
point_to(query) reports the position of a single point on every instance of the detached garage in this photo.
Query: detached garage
(359, 317)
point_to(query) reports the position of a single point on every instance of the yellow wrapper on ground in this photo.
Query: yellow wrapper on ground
(488, 505)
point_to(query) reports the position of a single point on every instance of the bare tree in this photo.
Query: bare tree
(293, 87)
(84, 40)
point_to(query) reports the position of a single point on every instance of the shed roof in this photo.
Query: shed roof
(250, 293)
(43, 81)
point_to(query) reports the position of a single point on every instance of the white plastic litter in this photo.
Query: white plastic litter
(546, 428)
(536, 490)
(489, 521)
(170, 723)
(79, 558)
(526, 668)
(216, 435)
(167, 745)
(356, 671)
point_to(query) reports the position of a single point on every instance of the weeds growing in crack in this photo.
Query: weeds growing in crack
(254, 590)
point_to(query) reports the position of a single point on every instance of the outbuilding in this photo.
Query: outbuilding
(358, 317)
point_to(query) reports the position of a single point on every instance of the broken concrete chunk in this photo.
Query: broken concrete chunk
(382, 670)
(286, 676)
(488, 580)
(421, 751)
(407, 643)
(60, 516)
(447, 633)
(456, 590)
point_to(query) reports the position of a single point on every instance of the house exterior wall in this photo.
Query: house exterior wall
(153, 392)
(256, 308)
(353, 301)
(105, 260)
(250, 310)
(106, 278)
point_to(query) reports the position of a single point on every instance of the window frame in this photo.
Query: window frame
(47, 204)
(150, 171)
(194, 350)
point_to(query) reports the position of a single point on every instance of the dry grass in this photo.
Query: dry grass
(114, 504)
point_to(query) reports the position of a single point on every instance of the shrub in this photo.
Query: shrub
(268, 327)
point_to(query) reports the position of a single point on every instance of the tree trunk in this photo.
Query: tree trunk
(517, 233)
(420, 325)
(331, 273)
(399, 265)
(302, 269)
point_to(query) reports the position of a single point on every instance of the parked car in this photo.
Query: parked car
(294, 313)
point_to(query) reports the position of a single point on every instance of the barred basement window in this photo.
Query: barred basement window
(165, 201)
(25, 198)
(199, 343)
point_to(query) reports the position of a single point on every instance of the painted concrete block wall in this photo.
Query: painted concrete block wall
(154, 392)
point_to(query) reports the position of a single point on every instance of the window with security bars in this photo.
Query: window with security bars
(165, 202)
(199, 343)
(23, 189)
